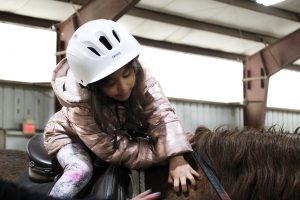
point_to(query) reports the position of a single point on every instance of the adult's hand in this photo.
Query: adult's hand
(147, 195)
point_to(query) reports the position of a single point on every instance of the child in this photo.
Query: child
(104, 91)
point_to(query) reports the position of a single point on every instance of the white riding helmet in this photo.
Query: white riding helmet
(99, 48)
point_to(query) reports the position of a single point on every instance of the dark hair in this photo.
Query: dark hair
(101, 104)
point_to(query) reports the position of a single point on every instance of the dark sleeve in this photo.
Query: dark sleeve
(12, 191)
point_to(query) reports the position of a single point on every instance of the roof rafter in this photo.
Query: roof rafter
(251, 5)
(200, 51)
(190, 49)
(198, 25)
(25, 20)
(189, 23)
(78, 2)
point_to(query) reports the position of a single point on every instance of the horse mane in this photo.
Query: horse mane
(253, 164)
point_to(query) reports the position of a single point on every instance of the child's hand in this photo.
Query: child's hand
(147, 195)
(191, 138)
(179, 172)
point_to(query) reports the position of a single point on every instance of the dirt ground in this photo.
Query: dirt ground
(12, 164)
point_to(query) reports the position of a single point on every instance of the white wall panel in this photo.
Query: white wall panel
(18, 106)
(29, 103)
(16, 140)
(1, 107)
(49, 101)
(239, 116)
(287, 119)
(212, 115)
(39, 109)
(8, 107)
(44, 107)
(18, 103)
(2, 139)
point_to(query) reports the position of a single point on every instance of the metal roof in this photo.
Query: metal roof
(226, 28)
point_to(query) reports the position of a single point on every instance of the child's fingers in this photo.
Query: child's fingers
(183, 184)
(191, 179)
(195, 173)
(176, 185)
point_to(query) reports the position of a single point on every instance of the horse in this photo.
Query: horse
(249, 164)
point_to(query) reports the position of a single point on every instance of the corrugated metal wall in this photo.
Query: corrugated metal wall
(209, 114)
(212, 115)
(289, 120)
(19, 102)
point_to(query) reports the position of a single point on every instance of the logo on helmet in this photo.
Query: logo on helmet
(115, 55)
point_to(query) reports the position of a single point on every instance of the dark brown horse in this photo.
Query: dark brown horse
(250, 165)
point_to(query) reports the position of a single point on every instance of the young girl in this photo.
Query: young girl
(104, 90)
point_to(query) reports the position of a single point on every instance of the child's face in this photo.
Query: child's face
(119, 85)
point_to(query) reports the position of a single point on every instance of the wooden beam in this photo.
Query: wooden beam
(25, 20)
(77, 2)
(293, 67)
(94, 9)
(277, 56)
(269, 10)
(25, 84)
(258, 69)
(190, 49)
(199, 25)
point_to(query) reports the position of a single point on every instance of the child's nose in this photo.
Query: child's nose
(122, 85)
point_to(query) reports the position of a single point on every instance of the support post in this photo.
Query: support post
(264, 64)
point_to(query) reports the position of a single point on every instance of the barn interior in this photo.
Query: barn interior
(264, 39)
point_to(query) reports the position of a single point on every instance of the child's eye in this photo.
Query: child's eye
(127, 73)
(110, 83)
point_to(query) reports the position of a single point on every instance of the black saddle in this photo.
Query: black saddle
(42, 167)
(112, 182)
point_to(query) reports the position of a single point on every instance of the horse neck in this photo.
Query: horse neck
(252, 165)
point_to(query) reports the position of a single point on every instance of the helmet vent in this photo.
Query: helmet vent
(116, 36)
(94, 51)
(104, 41)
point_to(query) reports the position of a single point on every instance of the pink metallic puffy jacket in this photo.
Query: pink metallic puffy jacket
(75, 123)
